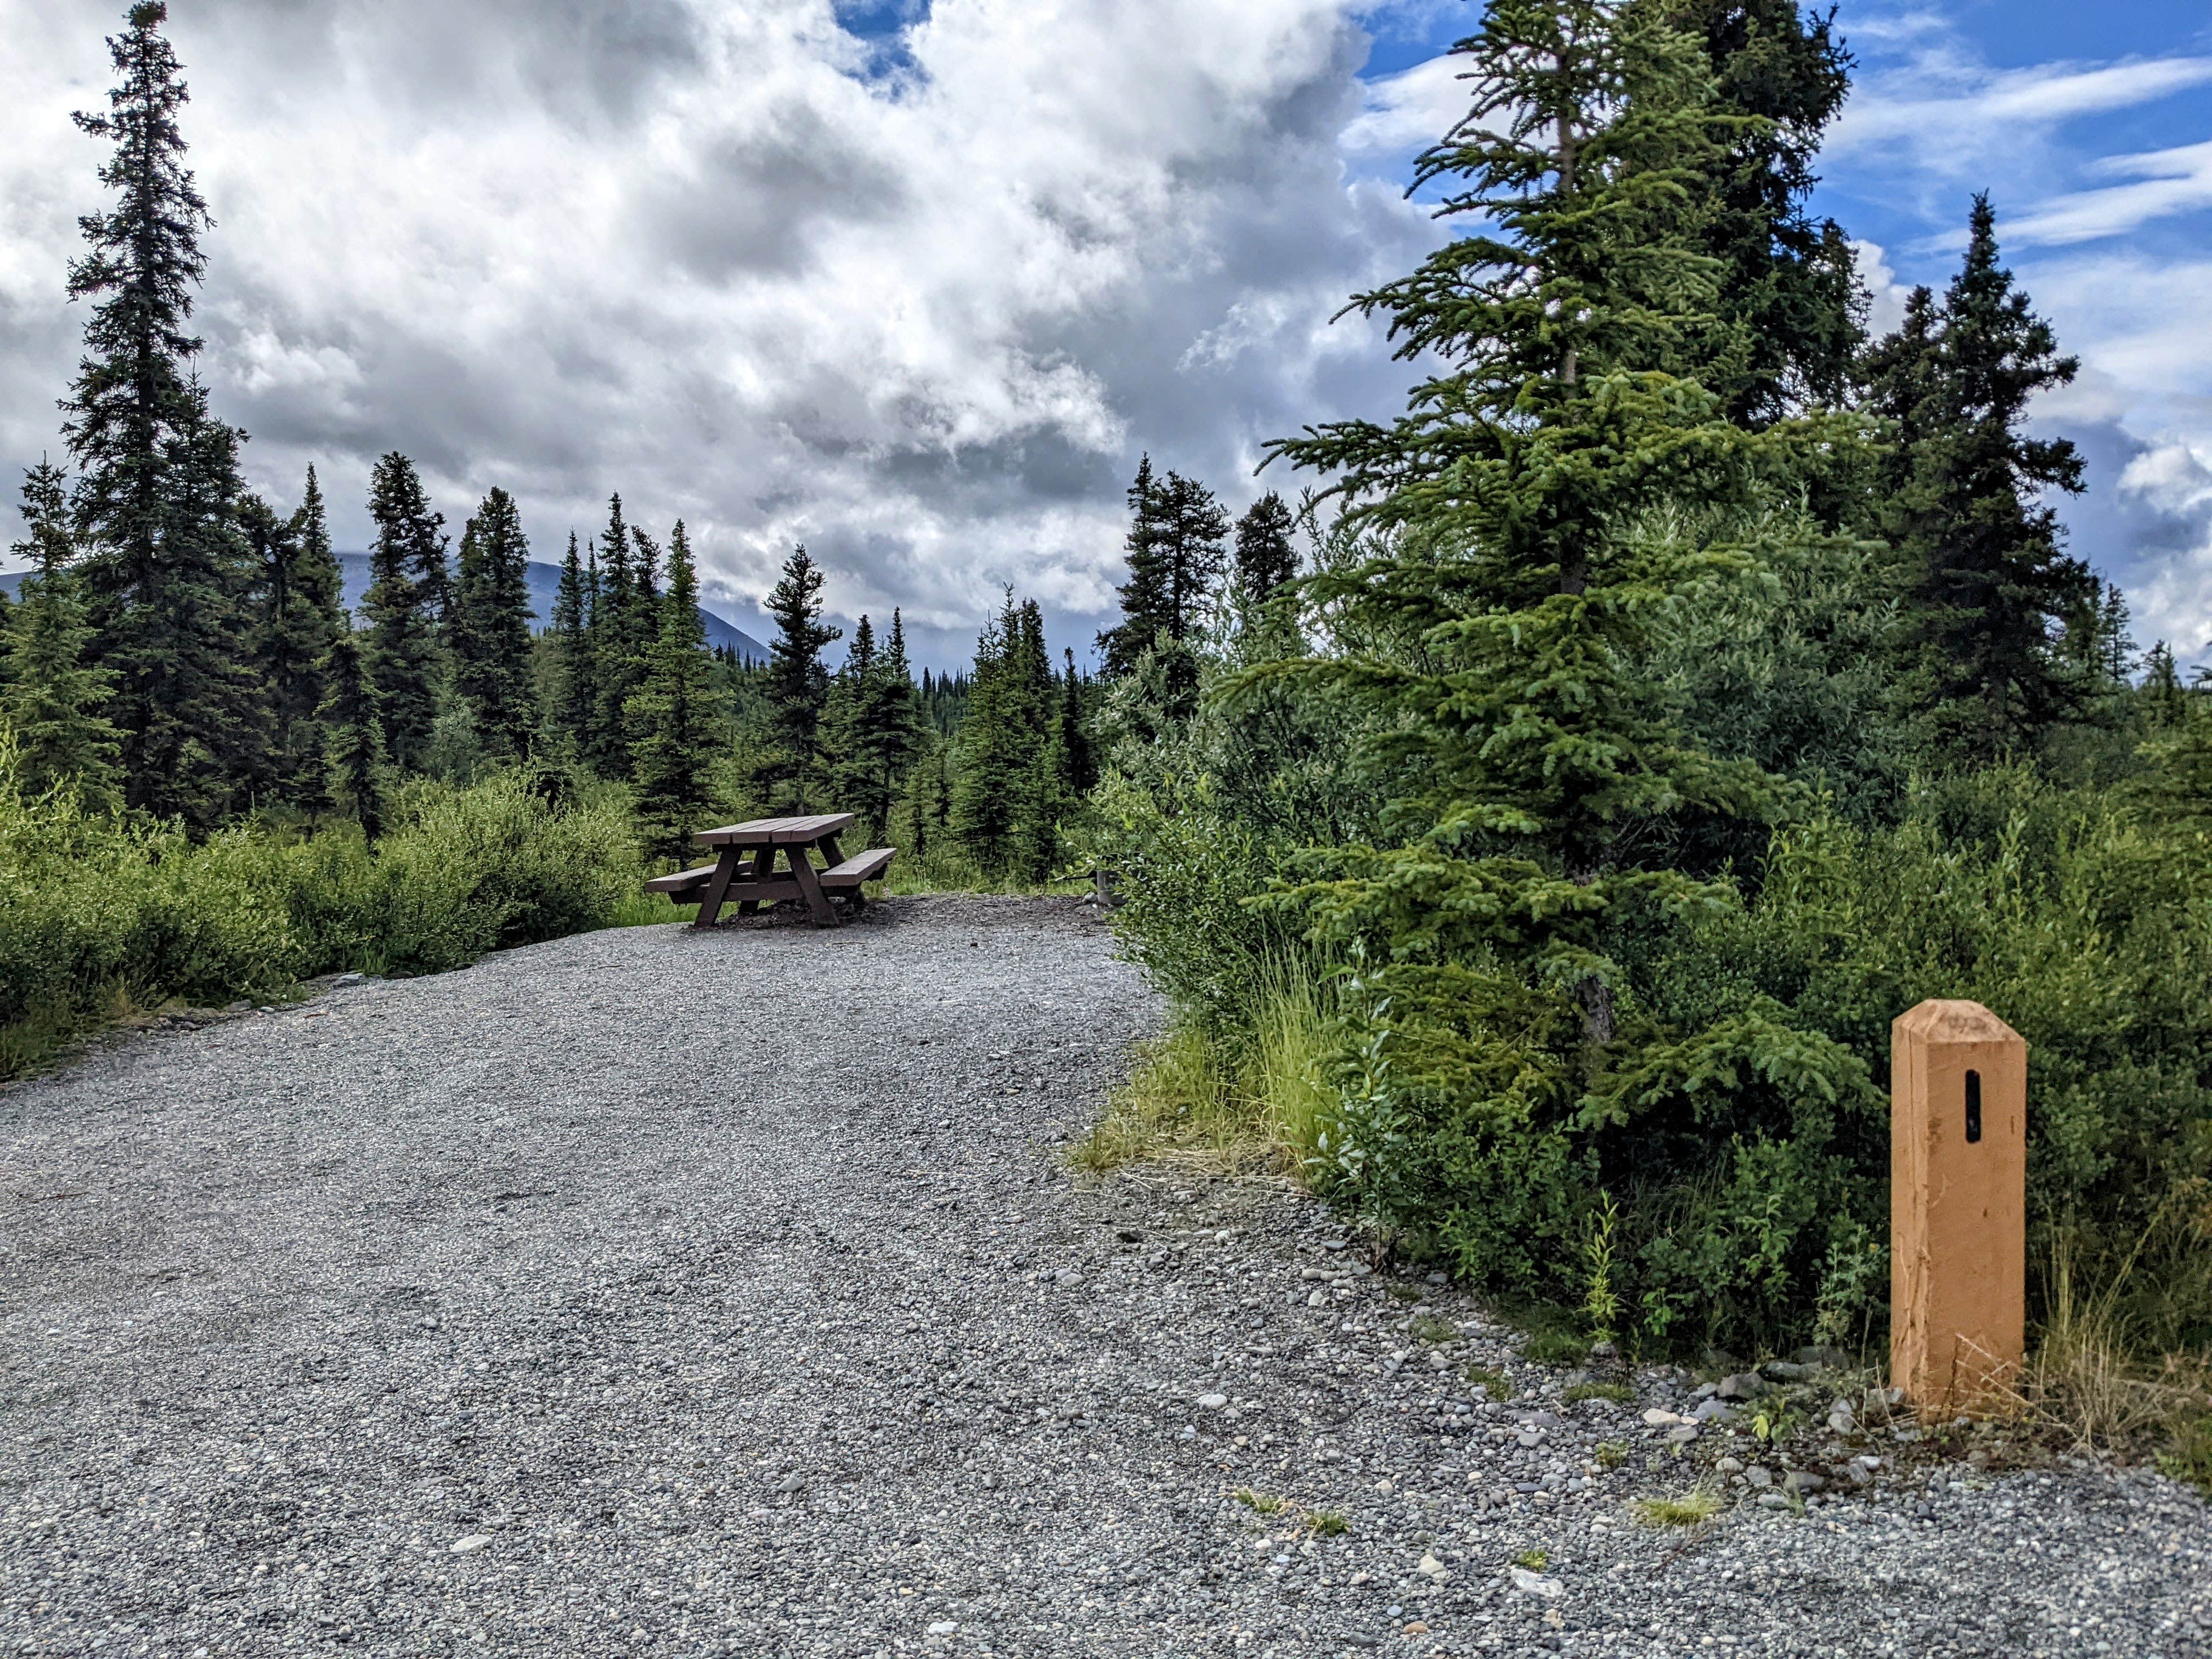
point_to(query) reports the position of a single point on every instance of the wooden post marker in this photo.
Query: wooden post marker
(1958, 1237)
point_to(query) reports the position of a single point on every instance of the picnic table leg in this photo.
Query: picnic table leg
(764, 867)
(810, 882)
(718, 887)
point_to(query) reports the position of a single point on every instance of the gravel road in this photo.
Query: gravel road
(558, 1307)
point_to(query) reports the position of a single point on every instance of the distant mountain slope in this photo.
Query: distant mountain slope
(544, 582)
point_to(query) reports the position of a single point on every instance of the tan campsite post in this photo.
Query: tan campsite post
(1958, 1207)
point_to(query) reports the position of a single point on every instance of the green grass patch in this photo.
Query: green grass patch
(2190, 1456)
(1402, 1293)
(1534, 1560)
(1692, 1509)
(1256, 1104)
(1491, 1381)
(1260, 1502)
(1555, 1348)
(1611, 1453)
(1620, 1392)
(1429, 1328)
(1327, 1523)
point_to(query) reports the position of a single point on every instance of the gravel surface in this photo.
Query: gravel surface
(554, 1307)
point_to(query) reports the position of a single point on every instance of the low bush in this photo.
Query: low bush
(98, 913)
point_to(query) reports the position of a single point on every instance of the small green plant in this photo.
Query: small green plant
(1535, 1561)
(2189, 1457)
(1555, 1348)
(1429, 1328)
(1620, 1392)
(1777, 1418)
(1600, 1306)
(1327, 1523)
(1491, 1381)
(1612, 1454)
(1260, 1502)
(1691, 1509)
(1405, 1293)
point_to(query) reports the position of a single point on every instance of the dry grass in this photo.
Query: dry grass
(2086, 1382)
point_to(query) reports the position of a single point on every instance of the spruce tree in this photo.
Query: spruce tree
(297, 617)
(872, 729)
(402, 654)
(576, 694)
(55, 702)
(1078, 756)
(674, 721)
(893, 716)
(787, 772)
(354, 754)
(1507, 1073)
(1145, 605)
(846, 774)
(624, 624)
(490, 632)
(1005, 798)
(1789, 295)
(163, 571)
(1532, 756)
(1990, 587)
(2168, 704)
(1267, 560)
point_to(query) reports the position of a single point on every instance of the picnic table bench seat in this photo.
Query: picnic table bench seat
(684, 881)
(861, 866)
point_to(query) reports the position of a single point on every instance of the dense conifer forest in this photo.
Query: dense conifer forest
(1537, 803)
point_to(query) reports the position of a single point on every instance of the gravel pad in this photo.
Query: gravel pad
(653, 1292)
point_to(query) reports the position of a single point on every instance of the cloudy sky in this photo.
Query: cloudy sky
(916, 284)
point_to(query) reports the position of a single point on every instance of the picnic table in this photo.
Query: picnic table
(755, 847)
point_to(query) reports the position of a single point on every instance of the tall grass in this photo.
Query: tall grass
(1250, 1100)
(100, 914)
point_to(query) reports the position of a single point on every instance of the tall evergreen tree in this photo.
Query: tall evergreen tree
(2168, 703)
(895, 734)
(1144, 606)
(787, 772)
(163, 572)
(1532, 754)
(1789, 292)
(624, 624)
(576, 694)
(296, 618)
(1176, 556)
(402, 654)
(1267, 560)
(846, 774)
(1990, 586)
(1005, 797)
(873, 725)
(55, 702)
(353, 734)
(1079, 756)
(674, 722)
(1533, 779)
(490, 632)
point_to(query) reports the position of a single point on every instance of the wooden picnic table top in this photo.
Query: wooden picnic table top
(777, 832)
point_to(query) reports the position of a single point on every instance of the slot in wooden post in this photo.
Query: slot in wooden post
(1958, 1208)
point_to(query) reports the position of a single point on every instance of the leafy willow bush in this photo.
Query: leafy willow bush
(96, 908)
(1730, 1185)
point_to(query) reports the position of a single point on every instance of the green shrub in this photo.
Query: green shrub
(98, 911)
(1748, 1162)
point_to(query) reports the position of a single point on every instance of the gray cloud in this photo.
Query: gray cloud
(721, 258)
